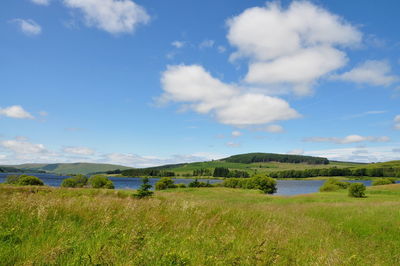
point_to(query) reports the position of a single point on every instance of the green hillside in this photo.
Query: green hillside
(71, 168)
(251, 163)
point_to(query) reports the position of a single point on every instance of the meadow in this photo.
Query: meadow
(197, 226)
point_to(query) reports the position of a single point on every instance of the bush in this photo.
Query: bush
(100, 181)
(165, 183)
(383, 181)
(75, 181)
(144, 190)
(181, 185)
(27, 180)
(332, 184)
(265, 184)
(357, 190)
(196, 183)
(69, 182)
(261, 182)
(12, 179)
(81, 180)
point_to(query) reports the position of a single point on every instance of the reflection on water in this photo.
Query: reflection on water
(285, 187)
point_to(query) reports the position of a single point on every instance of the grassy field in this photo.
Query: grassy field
(206, 226)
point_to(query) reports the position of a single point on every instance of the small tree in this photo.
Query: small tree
(383, 181)
(144, 190)
(100, 181)
(165, 183)
(30, 181)
(357, 190)
(265, 183)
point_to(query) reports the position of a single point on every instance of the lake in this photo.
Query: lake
(285, 187)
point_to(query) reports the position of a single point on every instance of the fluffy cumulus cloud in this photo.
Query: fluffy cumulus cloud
(28, 26)
(206, 44)
(397, 122)
(236, 133)
(348, 139)
(135, 160)
(113, 16)
(294, 46)
(357, 154)
(273, 129)
(178, 44)
(372, 72)
(41, 2)
(22, 146)
(79, 150)
(193, 86)
(15, 111)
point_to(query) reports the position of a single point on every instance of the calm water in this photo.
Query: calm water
(285, 187)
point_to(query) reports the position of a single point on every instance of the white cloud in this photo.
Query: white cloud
(41, 2)
(232, 144)
(273, 129)
(236, 134)
(377, 112)
(22, 146)
(206, 44)
(372, 154)
(397, 122)
(296, 152)
(79, 150)
(178, 44)
(348, 139)
(221, 49)
(372, 72)
(149, 161)
(111, 15)
(28, 26)
(195, 87)
(15, 111)
(295, 47)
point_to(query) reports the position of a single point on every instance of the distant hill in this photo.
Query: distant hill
(251, 163)
(68, 168)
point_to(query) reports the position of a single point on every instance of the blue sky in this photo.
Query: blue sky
(153, 82)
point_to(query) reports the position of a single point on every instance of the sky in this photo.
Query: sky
(148, 82)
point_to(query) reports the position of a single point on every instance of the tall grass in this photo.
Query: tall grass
(197, 226)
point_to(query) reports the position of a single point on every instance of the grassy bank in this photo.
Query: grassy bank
(215, 226)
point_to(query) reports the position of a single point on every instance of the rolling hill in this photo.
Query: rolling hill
(249, 162)
(70, 168)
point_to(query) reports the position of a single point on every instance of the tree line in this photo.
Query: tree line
(272, 157)
(334, 171)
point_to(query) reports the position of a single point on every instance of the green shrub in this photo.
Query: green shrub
(265, 184)
(75, 181)
(327, 187)
(332, 184)
(81, 180)
(69, 182)
(12, 179)
(261, 182)
(144, 190)
(357, 190)
(26, 180)
(165, 183)
(383, 181)
(181, 185)
(100, 181)
(196, 183)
